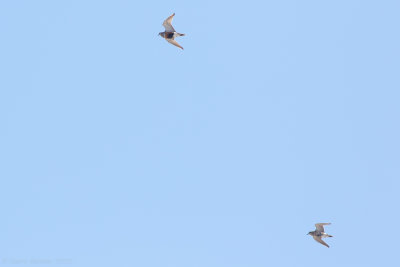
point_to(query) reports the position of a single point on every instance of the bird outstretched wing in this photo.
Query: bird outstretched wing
(320, 226)
(168, 24)
(319, 240)
(172, 41)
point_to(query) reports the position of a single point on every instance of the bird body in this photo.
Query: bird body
(319, 233)
(170, 34)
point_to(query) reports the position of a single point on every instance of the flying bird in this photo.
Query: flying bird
(319, 233)
(170, 34)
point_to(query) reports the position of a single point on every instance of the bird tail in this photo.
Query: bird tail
(181, 34)
(330, 235)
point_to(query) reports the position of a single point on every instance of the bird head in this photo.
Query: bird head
(162, 34)
(309, 233)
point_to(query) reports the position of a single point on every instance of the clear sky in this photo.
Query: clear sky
(119, 149)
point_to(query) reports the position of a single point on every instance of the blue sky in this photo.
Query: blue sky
(119, 149)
